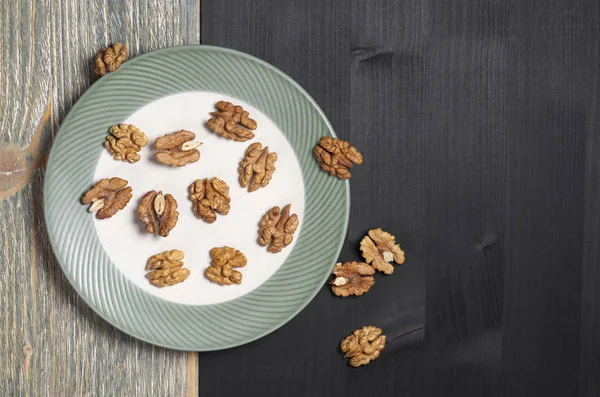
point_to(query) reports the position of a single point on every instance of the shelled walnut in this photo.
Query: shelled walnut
(277, 228)
(109, 59)
(158, 211)
(352, 278)
(107, 197)
(224, 259)
(209, 196)
(166, 269)
(337, 156)
(232, 122)
(257, 167)
(177, 148)
(125, 141)
(363, 345)
(379, 248)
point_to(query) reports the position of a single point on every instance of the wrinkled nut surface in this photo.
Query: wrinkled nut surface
(148, 210)
(177, 149)
(232, 122)
(276, 228)
(107, 197)
(379, 249)
(166, 269)
(125, 141)
(337, 156)
(224, 259)
(363, 346)
(208, 197)
(109, 59)
(352, 278)
(257, 167)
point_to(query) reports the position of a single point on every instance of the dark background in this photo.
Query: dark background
(477, 121)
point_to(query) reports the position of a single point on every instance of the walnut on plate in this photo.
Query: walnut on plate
(158, 211)
(337, 156)
(352, 278)
(257, 167)
(177, 148)
(107, 197)
(224, 259)
(110, 58)
(277, 228)
(166, 269)
(125, 141)
(232, 122)
(363, 345)
(379, 249)
(209, 196)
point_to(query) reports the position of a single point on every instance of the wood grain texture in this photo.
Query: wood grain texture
(477, 122)
(51, 343)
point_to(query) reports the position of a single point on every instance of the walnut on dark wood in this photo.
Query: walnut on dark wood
(232, 122)
(110, 58)
(209, 197)
(363, 345)
(276, 228)
(177, 148)
(336, 156)
(166, 269)
(379, 249)
(257, 167)
(107, 197)
(352, 278)
(158, 212)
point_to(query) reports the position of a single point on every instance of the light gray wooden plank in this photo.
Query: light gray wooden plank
(51, 343)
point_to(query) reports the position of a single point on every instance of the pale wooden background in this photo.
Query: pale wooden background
(51, 343)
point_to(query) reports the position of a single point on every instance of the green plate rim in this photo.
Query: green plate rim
(51, 195)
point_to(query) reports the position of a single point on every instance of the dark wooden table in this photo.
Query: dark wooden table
(477, 119)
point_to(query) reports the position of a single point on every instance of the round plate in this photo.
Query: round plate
(175, 84)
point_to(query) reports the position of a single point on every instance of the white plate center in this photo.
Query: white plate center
(123, 235)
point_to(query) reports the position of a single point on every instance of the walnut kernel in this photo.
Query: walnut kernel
(224, 259)
(336, 156)
(277, 228)
(125, 141)
(209, 196)
(177, 148)
(379, 248)
(158, 211)
(107, 197)
(230, 120)
(109, 59)
(257, 167)
(363, 345)
(166, 269)
(352, 278)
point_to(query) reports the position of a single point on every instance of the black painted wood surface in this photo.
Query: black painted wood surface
(477, 119)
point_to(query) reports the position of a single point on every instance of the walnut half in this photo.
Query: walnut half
(177, 149)
(125, 141)
(379, 249)
(158, 211)
(107, 197)
(232, 122)
(209, 196)
(257, 167)
(110, 58)
(166, 269)
(337, 156)
(363, 345)
(277, 228)
(352, 278)
(224, 259)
